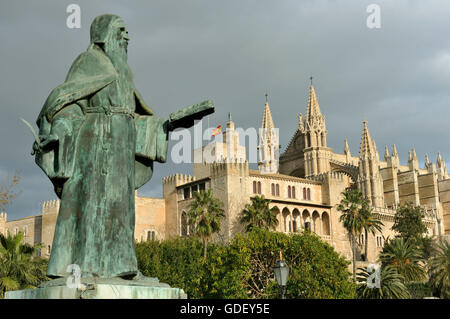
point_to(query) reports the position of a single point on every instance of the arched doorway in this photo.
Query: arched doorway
(316, 222)
(286, 220)
(326, 224)
(277, 213)
(306, 216)
(296, 221)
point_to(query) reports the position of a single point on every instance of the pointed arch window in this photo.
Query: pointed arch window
(259, 187)
(278, 189)
(289, 191)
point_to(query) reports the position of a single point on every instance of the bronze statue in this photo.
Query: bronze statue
(97, 144)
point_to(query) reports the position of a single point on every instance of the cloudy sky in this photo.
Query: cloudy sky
(232, 51)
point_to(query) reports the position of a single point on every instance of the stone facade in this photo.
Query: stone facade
(304, 188)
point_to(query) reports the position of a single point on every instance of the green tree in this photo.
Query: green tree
(370, 223)
(408, 222)
(405, 257)
(391, 285)
(243, 268)
(205, 214)
(258, 214)
(352, 219)
(19, 268)
(440, 269)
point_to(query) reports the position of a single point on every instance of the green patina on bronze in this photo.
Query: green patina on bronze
(97, 144)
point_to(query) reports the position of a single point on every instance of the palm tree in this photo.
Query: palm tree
(205, 216)
(350, 206)
(440, 269)
(427, 246)
(391, 285)
(258, 214)
(404, 256)
(19, 269)
(370, 223)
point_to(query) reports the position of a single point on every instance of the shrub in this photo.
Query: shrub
(244, 267)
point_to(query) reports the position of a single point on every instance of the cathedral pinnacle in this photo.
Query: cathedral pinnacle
(300, 122)
(439, 160)
(427, 161)
(414, 155)
(346, 148)
(394, 151)
(367, 147)
(386, 153)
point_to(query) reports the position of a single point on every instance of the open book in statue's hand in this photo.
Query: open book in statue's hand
(185, 117)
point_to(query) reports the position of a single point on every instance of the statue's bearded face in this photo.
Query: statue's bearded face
(121, 34)
(116, 46)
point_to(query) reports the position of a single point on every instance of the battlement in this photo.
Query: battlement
(178, 179)
(239, 167)
(51, 206)
(338, 176)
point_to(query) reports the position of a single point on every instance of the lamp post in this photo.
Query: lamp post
(281, 271)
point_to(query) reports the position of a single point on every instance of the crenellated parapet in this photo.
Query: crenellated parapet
(177, 179)
(51, 206)
(236, 167)
(327, 176)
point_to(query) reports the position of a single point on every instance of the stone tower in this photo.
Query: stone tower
(369, 180)
(268, 143)
(317, 154)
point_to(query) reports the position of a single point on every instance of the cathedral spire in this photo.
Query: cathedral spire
(370, 181)
(315, 129)
(367, 148)
(313, 108)
(386, 153)
(267, 121)
(268, 143)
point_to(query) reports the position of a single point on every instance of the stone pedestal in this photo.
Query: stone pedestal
(90, 288)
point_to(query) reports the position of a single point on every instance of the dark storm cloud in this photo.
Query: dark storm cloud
(181, 52)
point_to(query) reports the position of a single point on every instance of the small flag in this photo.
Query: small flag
(217, 130)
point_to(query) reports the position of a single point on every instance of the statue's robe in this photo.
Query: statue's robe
(107, 141)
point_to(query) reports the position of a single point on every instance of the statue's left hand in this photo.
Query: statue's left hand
(45, 141)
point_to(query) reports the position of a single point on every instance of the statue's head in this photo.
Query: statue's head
(110, 33)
